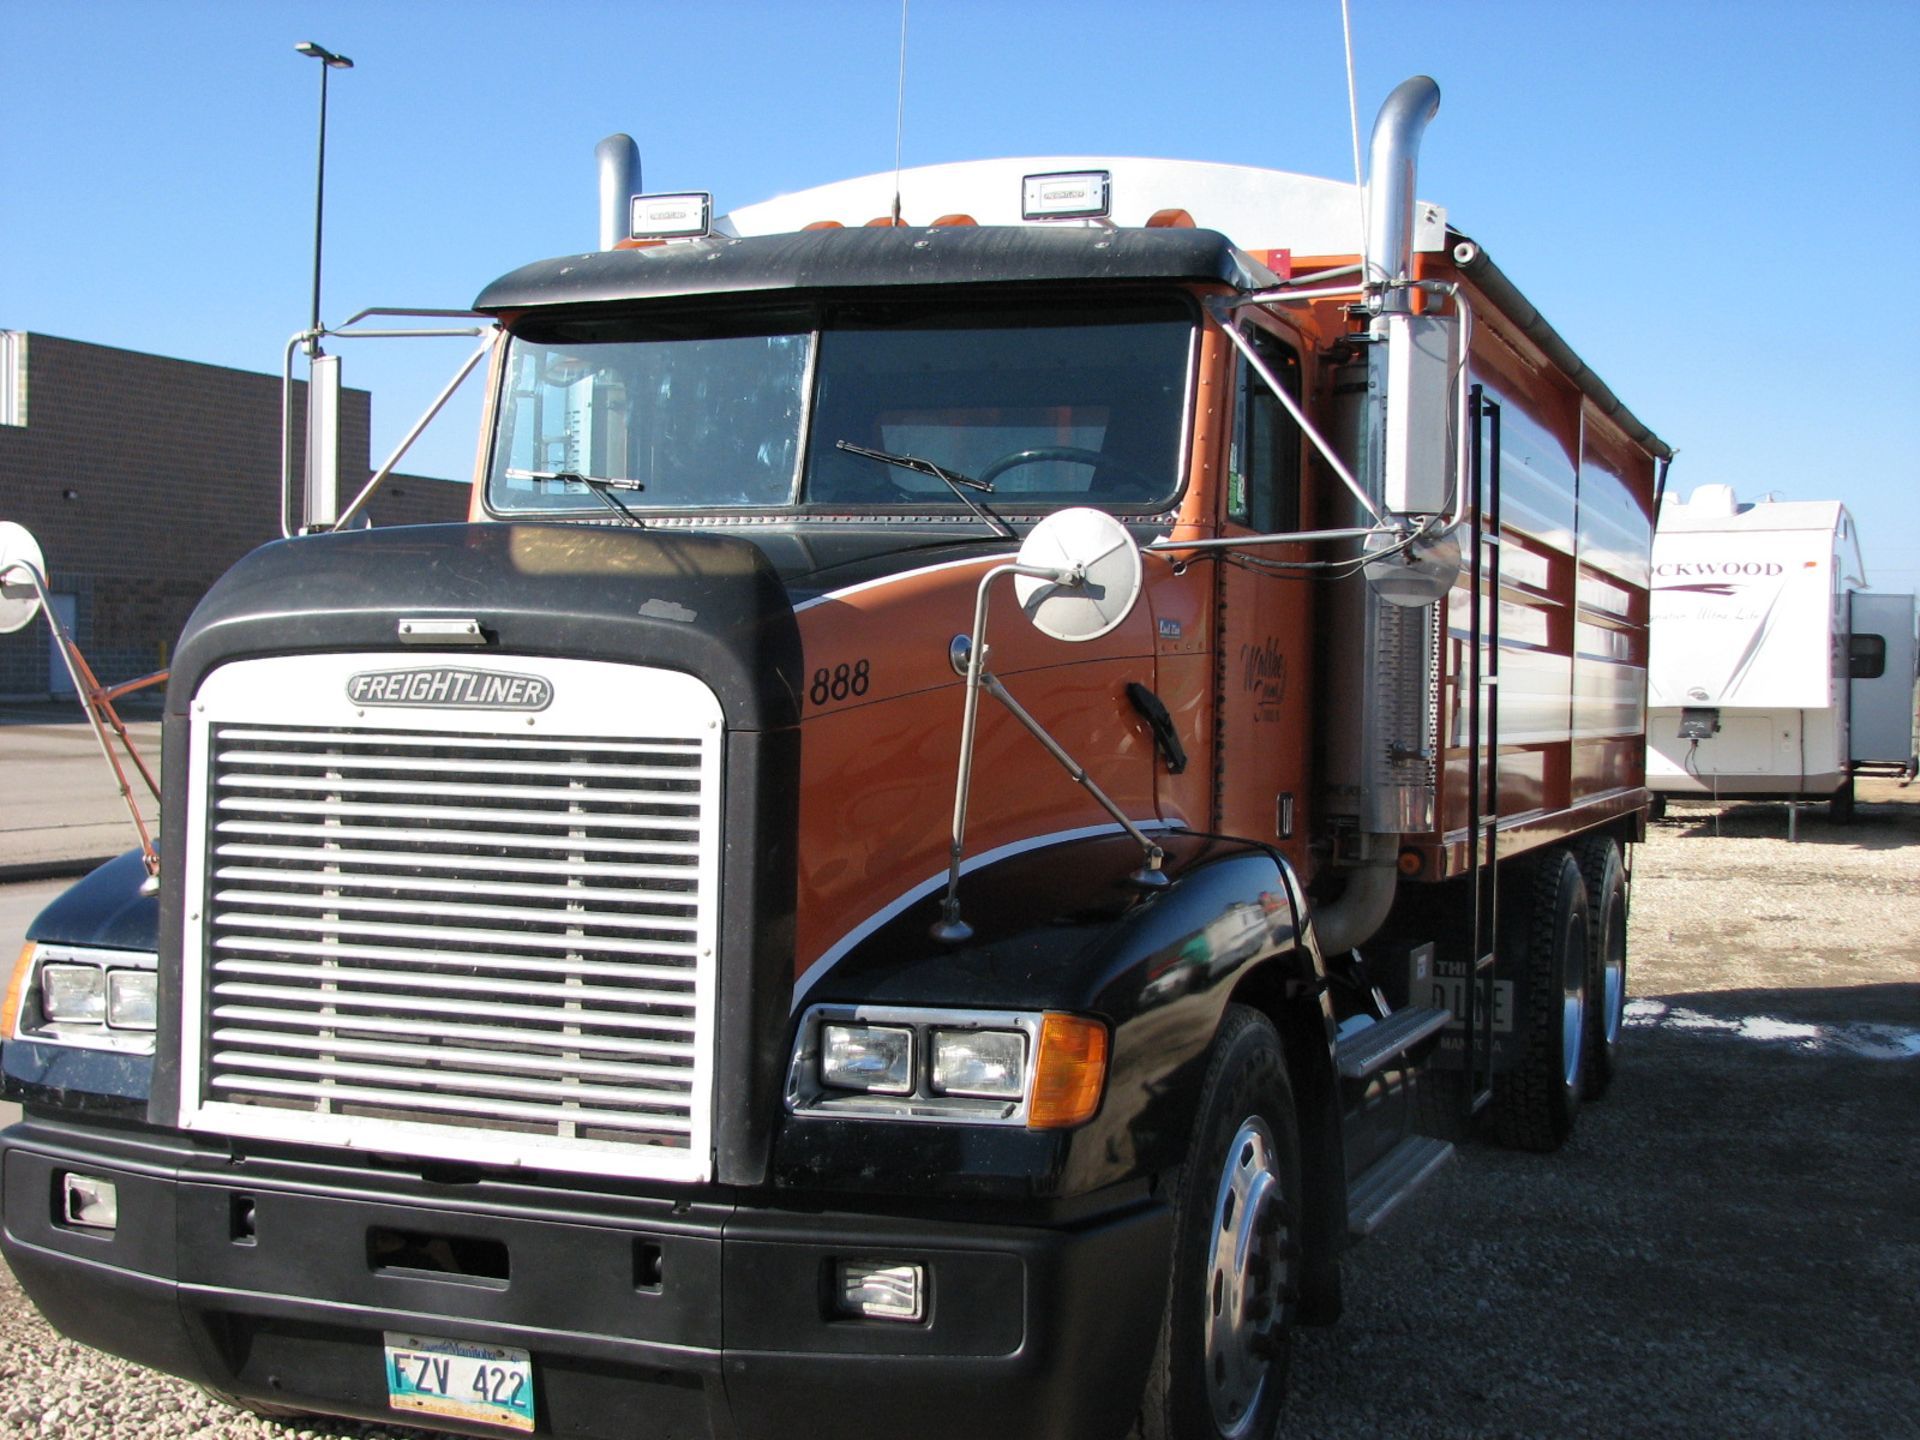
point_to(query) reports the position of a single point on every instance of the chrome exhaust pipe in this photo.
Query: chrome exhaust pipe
(1392, 166)
(618, 159)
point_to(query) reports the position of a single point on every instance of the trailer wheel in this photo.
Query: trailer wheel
(1535, 1102)
(1606, 875)
(1840, 803)
(1220, 1370)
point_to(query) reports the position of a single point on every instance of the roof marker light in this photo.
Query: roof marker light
(670, 217)
(1069, 195)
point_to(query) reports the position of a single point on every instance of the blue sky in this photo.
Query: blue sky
(1714, 203)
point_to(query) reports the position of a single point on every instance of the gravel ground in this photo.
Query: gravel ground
(1729, 1246)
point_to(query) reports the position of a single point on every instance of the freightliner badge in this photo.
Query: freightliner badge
(450, 688)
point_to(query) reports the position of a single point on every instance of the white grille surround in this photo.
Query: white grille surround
(483, 935)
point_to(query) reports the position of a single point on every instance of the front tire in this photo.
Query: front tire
(1536, 1101)
(1220, 1370)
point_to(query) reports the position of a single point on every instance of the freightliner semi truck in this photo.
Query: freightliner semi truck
(1009, 753)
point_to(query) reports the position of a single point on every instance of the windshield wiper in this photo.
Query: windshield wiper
(953, 480)
(600, 486)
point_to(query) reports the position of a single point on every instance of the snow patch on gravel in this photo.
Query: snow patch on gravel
(1871, 1042)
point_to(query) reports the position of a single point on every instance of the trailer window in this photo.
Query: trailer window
(1866, 657)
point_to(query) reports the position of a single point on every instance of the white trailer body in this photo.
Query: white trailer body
(1747, 680)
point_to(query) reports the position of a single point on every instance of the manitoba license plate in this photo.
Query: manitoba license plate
(492, 1384)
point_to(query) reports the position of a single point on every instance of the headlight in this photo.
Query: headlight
(1039, 1069)
(73, 993)
(991, 1064)
(96, 999)
(133, 998)
(877, 1058)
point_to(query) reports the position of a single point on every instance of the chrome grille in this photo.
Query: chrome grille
(499, 940)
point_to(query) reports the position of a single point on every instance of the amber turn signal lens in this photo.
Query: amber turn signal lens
(1070, 1073)
(10, 1011)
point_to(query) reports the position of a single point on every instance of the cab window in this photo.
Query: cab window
(1263, 469)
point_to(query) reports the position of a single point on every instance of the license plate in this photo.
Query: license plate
(491, 1384)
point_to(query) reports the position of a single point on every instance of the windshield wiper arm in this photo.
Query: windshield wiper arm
(953, 480)
(601, 487)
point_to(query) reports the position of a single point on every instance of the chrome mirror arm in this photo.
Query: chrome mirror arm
(950, 928)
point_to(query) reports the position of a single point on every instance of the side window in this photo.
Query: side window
(1263, 468)
(1866, 657)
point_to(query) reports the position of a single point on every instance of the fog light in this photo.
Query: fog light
(132, 999)
(73, 993)
(991, 1064)
(881, 1290)
(867, 1057)
(92, 1202)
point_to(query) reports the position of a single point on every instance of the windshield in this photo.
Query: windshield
(1056, 406)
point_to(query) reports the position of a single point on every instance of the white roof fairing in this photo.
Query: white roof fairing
(1259, 209)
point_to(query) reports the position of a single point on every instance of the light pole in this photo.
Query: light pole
(328, 61)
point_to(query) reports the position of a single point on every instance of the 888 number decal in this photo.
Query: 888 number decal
(839, 682)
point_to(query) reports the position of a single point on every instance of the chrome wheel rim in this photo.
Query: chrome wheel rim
(1613, 977)
(1246, 1278)
(1573, 1002)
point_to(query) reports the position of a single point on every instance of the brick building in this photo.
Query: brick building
(144, 478)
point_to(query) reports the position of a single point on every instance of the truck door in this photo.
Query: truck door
(1265, 670)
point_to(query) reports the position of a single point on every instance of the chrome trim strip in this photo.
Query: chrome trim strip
(831, 956)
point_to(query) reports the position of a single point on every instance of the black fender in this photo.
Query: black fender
(1063, 927)
(106, 910)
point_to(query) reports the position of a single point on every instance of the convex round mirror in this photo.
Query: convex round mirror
(19, 601)
(1097, 545)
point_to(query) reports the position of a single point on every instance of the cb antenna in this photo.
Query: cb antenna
(900, 114)
(1353, 121)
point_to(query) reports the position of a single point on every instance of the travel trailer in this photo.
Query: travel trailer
(1008, 752)
(1774, 673)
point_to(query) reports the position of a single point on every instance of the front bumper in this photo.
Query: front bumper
(273, 1280)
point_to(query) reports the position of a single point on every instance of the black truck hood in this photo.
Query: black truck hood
(709, 605)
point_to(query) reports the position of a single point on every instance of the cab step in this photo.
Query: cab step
(1367, 1051)
(1391, 1179)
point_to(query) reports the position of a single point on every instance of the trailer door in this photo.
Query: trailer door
(1881, 671)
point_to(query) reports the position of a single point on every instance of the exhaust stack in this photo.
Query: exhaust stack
(618, 159)
(1392, 164)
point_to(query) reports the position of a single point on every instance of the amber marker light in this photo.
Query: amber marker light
(1070, 1073)
(10, 1012)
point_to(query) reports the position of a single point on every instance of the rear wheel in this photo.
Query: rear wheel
(1605, 872)
(1220, 1371)
(1840, 803)
(1536, 1100)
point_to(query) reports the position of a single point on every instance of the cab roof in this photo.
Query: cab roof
(880, 257)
